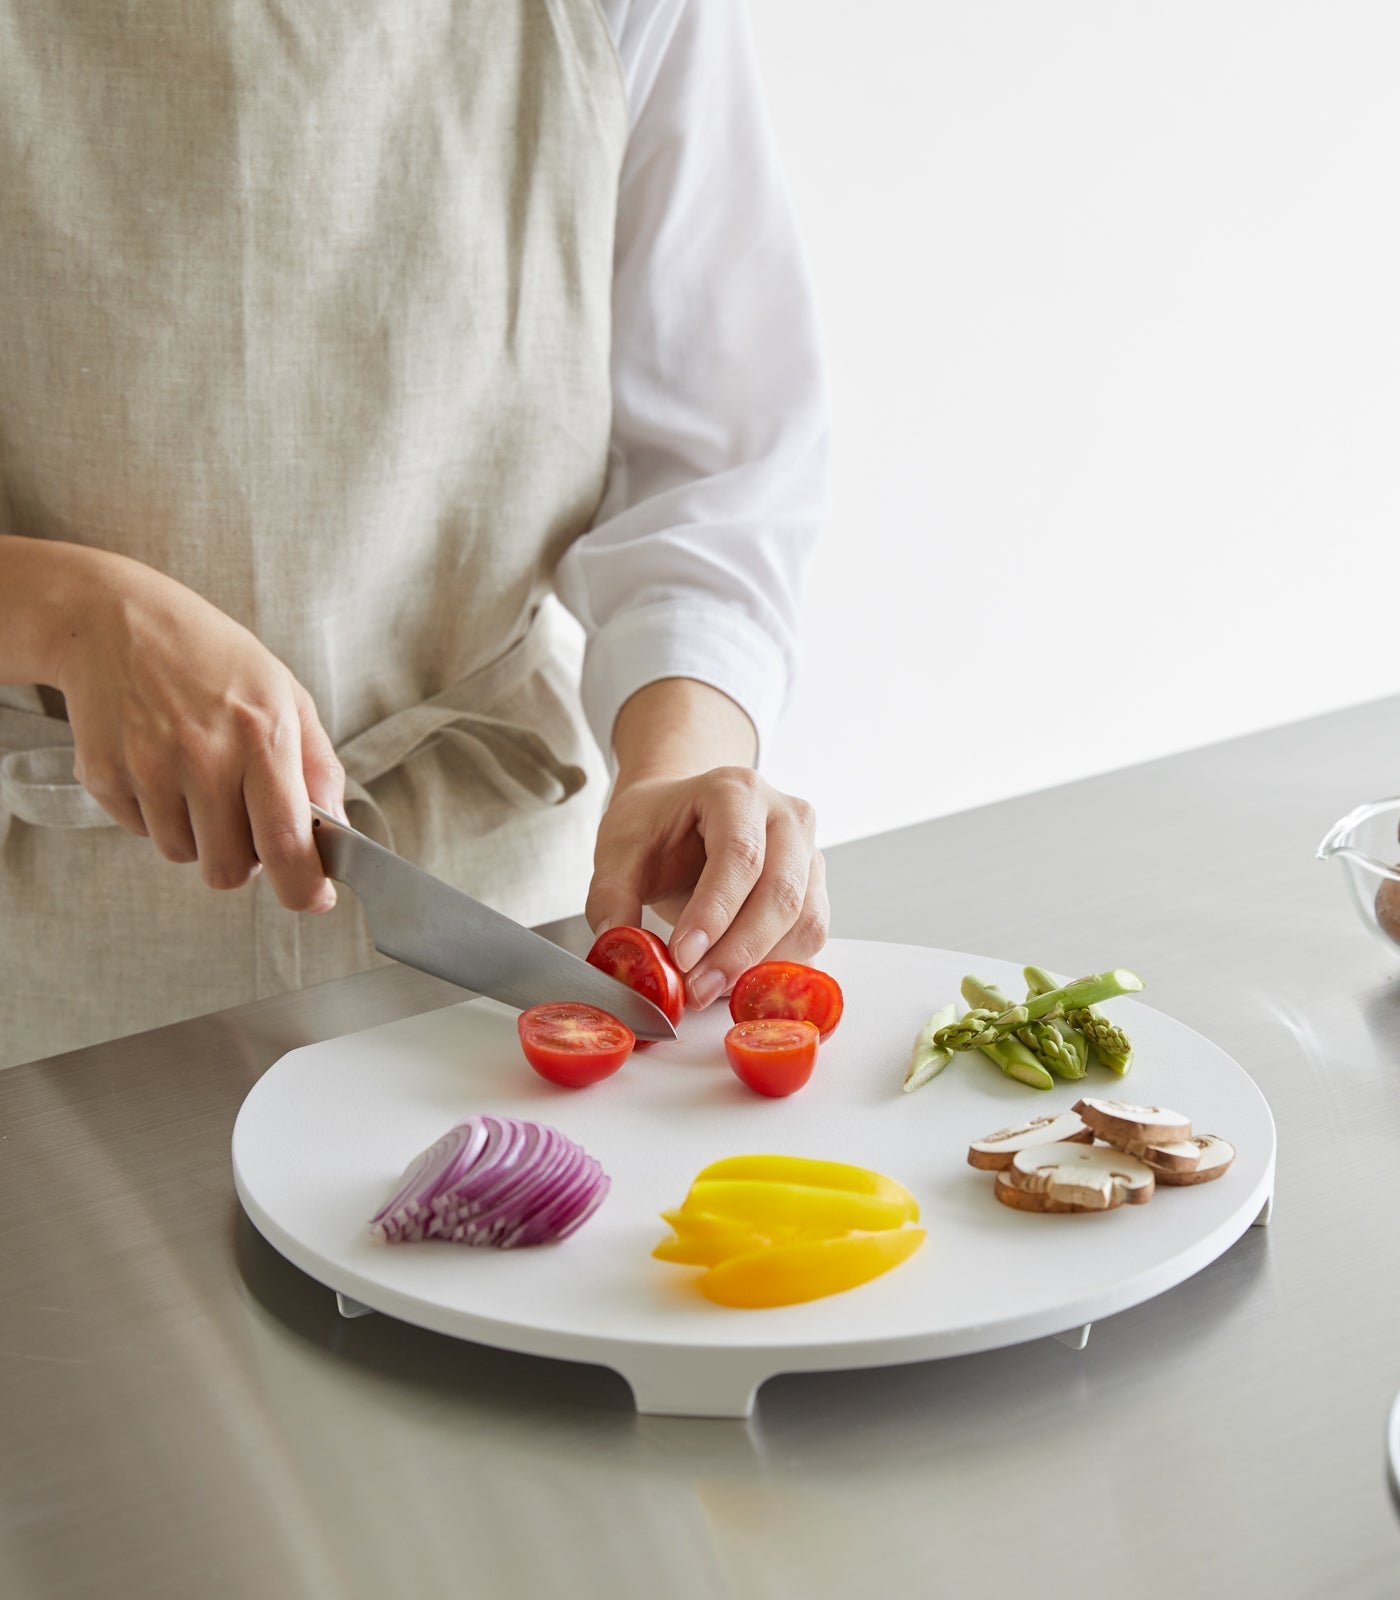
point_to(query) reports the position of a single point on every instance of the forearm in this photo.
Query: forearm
(42, 583)
(679, 727)
(710, 847)
(717, 484)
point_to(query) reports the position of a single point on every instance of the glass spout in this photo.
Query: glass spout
(1358, 828)
(1367, 842)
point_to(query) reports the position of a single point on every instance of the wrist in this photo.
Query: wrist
(678, 728)
(45, 586)
(89, 586)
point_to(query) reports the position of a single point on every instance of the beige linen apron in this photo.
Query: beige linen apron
(306, 303)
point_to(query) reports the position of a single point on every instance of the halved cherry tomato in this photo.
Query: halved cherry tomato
(573, 1044)
(772, 1055)
(640, 960)
(787, 989)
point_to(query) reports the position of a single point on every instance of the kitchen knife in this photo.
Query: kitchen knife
(425, 923)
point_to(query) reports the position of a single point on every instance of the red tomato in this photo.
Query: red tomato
(772, 1055)
(573, 1044)
(639, 959)
(788, 989)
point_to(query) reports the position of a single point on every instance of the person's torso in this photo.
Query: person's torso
(307, 305)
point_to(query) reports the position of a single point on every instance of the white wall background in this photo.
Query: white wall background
(1111, 292)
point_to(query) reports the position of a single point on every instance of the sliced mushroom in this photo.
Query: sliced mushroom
(1093, 1177)
(1215, 1156)
(1184, 1155)
(1011, 1194)
(1122, 1123)
(995, 1152)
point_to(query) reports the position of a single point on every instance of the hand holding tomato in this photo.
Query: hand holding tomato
(727, 858)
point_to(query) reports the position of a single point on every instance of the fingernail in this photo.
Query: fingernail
(705, 988)
(603, 927)
(691, 945)
(326, 901)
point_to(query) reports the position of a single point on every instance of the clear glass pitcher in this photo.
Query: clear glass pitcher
(1367, 843)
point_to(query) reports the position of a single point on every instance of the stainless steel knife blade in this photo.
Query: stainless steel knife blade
(426, 923)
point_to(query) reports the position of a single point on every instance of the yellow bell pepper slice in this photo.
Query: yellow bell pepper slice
(786, 1274)
(698, 1224)
(794, 1205)
(817, 1174)
(688, 1252)
(701, 1240)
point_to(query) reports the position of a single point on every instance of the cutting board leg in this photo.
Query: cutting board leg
(351, 1308)
(1266, 1212)
(695, 1384)
(1075, 1338)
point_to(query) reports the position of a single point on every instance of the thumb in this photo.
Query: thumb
(325, 777)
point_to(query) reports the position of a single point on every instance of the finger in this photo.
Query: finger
(279, 814)
(159, 791)
(113, 793)
(321, 769)
(167, 820)
(733, 824)
(808, 934)
(770, 911)
(223, 837)
(618, 885)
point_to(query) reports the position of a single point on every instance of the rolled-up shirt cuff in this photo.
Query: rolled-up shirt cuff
(683, 638)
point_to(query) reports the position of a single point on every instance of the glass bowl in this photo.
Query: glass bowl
(1367, 843)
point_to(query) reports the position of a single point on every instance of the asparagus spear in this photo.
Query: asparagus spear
(1017, 1062)
(1110, 1044)
(1011, 1055)
(980, 1027)
(927, 1059)
(1058, 1045)
(976, 1030)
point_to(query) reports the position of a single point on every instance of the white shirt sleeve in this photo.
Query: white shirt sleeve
(718, 460)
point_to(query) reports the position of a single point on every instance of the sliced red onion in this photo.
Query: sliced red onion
(517, 1163)
(538, 1173)
(509, 1180)
(504, 1218)
(569, 1201)
(495, 1181)
(406, 1214)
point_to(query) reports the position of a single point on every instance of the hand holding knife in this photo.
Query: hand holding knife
(425, 923)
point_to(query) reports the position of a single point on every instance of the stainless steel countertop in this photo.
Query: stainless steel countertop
(183, 1414)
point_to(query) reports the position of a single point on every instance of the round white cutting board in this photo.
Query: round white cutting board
(325, 1133)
